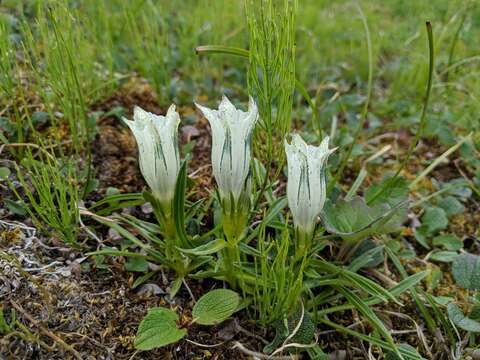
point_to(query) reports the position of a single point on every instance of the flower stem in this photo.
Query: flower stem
(230, 256)
(303, 243)
(234, 222)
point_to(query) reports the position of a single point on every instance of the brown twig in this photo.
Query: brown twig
(47, 332)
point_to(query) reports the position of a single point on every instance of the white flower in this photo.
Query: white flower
(157, 140)
(231, 137)
(306, 188)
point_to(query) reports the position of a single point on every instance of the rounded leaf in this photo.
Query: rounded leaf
(158, 328)
(458, 318)
(4, 173)
(466, 271)
(215, 306)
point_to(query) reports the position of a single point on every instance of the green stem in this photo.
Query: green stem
(230, 256)
(303, 243)
(234, 222)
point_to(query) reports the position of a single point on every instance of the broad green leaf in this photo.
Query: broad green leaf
(137, 264)
(434, 220)
(16, 207)
(451, 205)
(4, 173)
(158, 328)
(466, 271)
(444, 256)
(206, 249)
(449, 242)
(458, 318)
(354, 220)
(215, 306)
(396, 193)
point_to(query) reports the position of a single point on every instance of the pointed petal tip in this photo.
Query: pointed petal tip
(138, 110)
(128, 122)
(298, 141)
(201, 108)
(226, 103)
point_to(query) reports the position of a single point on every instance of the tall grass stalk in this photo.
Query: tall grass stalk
(11, 93)
(271, 73)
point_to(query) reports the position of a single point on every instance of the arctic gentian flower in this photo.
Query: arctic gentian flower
(306, 188)
(158, 150)
(231, 137)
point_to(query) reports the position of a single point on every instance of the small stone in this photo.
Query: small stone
(150, 288)
(147, 208)
(189, 132)
(114, 235)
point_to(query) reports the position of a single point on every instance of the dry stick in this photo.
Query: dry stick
(467, 179)
(438, 160)
(238, 345)
(16, 263)
(204, 345)
(27, 145)
(48, 333)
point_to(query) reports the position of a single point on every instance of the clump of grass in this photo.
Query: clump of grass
(65, 70)
(11, 93)
(53, 193)
(147, 31)
(278, 278)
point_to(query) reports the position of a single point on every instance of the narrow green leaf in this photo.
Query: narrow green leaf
(209, 248)
(369, 286)
(361, 306)
(220, 49)
(408, 283)
(179, 206)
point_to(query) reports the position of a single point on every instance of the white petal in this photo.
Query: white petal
(306, 187)
(159, 161)
(231, 137)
